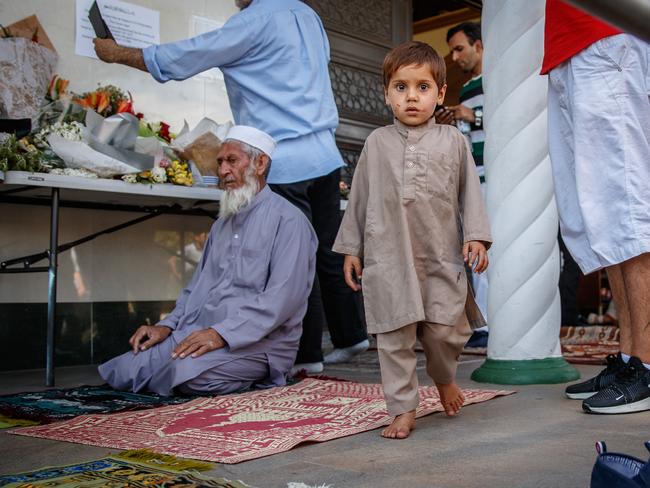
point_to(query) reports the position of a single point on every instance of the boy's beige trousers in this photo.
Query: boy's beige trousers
(442, 345)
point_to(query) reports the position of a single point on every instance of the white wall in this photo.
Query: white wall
(173, 101)
(130, 264)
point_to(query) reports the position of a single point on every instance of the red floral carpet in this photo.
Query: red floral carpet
(589, 344)
(580, 344)
(235, 428)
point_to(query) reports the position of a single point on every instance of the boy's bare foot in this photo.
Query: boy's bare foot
(401, 427)
(452, 398)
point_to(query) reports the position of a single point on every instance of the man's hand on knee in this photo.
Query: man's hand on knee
(147, 336)
(198, 343)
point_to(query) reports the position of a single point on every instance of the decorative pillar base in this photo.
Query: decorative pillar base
(525, 371)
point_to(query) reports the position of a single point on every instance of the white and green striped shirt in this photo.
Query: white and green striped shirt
(471, 95)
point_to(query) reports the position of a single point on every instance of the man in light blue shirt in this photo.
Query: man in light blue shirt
(274, 56)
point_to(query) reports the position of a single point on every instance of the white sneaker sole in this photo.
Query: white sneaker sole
(639, 406)
(580, 396)
(346, 354)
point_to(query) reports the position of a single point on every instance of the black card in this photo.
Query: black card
(99, 25)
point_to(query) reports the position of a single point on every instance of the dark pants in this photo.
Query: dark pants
(569, 279)
(331, 301)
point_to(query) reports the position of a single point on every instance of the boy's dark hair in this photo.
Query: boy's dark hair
(415, 52)
(471, 29)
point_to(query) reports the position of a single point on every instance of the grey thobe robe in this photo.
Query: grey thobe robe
(251, 286)
(415, 200)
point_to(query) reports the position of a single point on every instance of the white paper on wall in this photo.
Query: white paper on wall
(131, 25)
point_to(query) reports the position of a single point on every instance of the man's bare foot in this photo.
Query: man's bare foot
(401, 427)
(451, 397)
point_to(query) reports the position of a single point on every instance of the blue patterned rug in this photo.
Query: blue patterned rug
(61, 404)
(124, 469)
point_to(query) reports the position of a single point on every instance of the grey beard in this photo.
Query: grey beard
(232, 201)
(242, 4)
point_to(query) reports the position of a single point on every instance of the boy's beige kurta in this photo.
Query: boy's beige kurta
(415, 199)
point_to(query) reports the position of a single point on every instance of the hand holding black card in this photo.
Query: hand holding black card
(99, 25)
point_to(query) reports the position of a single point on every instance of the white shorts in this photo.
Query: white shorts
(599, 143)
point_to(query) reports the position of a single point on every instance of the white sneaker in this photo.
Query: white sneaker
(308, 368)
(344, 354)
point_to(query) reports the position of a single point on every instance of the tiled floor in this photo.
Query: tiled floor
(535, 438)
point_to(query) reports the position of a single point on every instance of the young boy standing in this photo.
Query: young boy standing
(414, 218)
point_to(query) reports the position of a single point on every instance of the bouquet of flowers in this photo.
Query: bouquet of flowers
(106, 100)
(19, 156)
(155, 129)
(175, 172)
(72, 131)
(57, 88)
(57, 106)
(95, 134)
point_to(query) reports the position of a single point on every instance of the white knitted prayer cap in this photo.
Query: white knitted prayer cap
(253, 137)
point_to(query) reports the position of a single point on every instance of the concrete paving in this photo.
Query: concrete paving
(532, 439)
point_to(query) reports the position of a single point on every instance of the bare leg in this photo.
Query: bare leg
(636, 276)
(401, 427)
(615, 275)
(451, 397)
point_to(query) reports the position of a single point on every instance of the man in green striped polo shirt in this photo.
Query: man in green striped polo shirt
(466, 47)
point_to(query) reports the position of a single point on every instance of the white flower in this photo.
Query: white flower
(68, 130)
(158, 174)
(132, 178)
(84, 173)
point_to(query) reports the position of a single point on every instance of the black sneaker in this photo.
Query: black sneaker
(630, 392)
(479, 338)
(580, 391)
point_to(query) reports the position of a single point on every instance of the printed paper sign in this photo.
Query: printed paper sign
(131, 25)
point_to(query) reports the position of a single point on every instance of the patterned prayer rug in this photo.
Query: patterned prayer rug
(113, 471)
(580, 344)
(235, 428)
(61, 404)
(589, 344)
(475, 351)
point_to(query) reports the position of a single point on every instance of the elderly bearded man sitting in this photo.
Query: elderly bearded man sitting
(238, 321)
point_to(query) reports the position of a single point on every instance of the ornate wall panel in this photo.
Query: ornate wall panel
(358, 18)
(351, 157)
(361, 32)
(359, 94)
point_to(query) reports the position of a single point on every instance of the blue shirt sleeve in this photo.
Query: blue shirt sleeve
(183, 59)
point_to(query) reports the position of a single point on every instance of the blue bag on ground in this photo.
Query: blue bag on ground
(614, 470)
